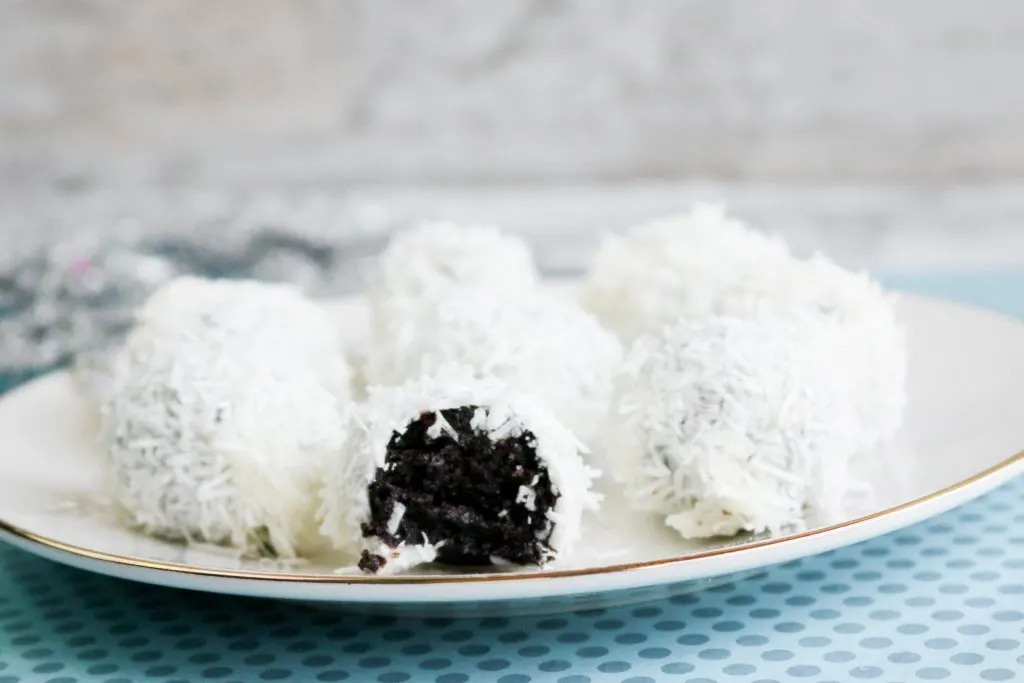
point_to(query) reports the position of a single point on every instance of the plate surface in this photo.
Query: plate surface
(963, 436)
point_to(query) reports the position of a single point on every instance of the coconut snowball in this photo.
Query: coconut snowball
(422, 265)
(736, 424)
(540, 343)
(690, 265)
(704, 264)
(499, 414)
(226, 403)
(869, 342)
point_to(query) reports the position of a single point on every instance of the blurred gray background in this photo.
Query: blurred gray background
(885, 133)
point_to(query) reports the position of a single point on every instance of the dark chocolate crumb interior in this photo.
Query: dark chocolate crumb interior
(461, 491)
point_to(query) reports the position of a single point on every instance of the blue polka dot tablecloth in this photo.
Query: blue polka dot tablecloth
(940, 601)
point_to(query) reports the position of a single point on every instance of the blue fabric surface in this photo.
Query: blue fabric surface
(941, 601)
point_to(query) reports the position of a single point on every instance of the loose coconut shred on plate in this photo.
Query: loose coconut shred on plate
(456, 469)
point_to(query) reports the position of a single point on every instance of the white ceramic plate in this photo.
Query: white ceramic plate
(962, 432)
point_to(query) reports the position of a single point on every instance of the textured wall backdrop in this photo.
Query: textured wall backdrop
(323, 92)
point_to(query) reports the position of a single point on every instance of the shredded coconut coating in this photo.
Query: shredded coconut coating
(731, 424)
(423, 265)
(869, 342)
(689, 265)
(703, 264)
(370, 426)
(539, 343)
(225, 406)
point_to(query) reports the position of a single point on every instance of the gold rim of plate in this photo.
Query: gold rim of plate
(174, 567)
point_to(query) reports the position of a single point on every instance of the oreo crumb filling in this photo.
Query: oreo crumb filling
(463, 492)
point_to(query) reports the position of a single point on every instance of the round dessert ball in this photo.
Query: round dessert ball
(422, 265)
(869, 341)
(457, 469)
(541, 343)
(225, 405)
(694, 264)
(736, 424)
(703, 264)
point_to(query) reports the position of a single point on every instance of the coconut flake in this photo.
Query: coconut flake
(479, 421)
(396, 518)
(441, 426)
(405, 556)
(527, 497)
